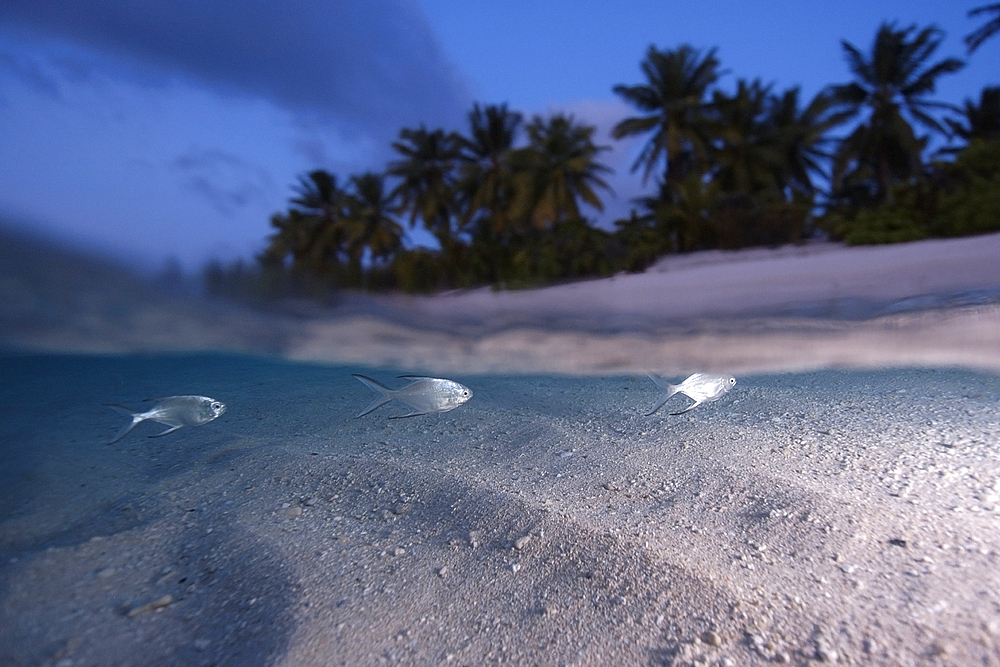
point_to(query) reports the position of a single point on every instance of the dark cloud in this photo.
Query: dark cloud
(30, 72)
(369, 65)
(227, 181)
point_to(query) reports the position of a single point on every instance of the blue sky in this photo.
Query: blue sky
(153, 130)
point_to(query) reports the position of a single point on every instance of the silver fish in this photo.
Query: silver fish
(174, 411)
(423, 394)
(700, 388)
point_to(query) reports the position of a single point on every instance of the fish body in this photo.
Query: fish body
(423, 395)
(699, 387)
(175, 412)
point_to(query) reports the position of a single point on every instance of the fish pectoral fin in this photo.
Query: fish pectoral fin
(688, 408)
(169, 430)
(415, 413)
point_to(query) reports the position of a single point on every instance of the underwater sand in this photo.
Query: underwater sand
(819, 516)
(850, 517)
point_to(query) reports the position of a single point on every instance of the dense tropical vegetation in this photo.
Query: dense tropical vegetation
(876, 159)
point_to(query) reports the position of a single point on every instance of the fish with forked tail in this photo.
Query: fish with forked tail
(174, 411)
(699, 387)
(424, 395)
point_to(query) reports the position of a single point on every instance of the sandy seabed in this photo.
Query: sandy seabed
(809, 517)
(838, 517)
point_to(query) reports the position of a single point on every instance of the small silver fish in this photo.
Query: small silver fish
(700, 388)
(174, 411)
(423, 394)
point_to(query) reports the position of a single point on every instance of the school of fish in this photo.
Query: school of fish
(423, 395)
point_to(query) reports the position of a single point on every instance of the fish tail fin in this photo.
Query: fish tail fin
(671, 389)
(127, 427)
(385, 394)
(659, 404)
(668, 389)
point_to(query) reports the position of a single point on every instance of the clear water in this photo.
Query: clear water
(548, 520)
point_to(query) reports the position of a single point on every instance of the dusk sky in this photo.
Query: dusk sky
(155, 130)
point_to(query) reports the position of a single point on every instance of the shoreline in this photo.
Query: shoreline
(928, 303)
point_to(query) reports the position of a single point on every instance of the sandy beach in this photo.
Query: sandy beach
(823, 516)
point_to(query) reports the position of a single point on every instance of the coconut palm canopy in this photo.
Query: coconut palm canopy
(514, 201)
(194, 121)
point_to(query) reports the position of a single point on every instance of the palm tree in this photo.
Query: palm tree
(746, 157)
(679, 218)
(428, 175)
(485, 182)
(985, 31)
(287, 241)
(982, 121)
(313, 231)
(801, 137)
(371, 227)
(674, 107)
(556, 171)
(892, 84)
(318, 193)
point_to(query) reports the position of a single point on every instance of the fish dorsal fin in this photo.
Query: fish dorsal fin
(414, 377)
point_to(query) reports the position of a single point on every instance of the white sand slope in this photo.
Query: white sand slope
(931, 303)
(745, 283)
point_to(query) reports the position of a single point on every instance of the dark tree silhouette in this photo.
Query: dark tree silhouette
(428, 179)
(486, 183)
(556, 172)
(673, 100)
(891, 88)
(975, 38)
(980, 121)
